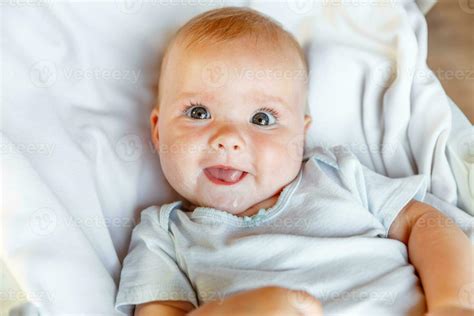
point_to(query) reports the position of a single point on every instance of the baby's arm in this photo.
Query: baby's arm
(441, 253)
(265, 301)
(164, 308)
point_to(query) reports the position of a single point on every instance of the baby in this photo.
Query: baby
(263, 227)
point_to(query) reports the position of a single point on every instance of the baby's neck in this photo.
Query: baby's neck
(263, 204)
(251, 210)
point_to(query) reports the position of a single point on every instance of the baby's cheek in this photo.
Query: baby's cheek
(283, 156)
(178, 172)
(172, 154)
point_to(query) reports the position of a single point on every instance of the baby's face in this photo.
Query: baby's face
(218, 107)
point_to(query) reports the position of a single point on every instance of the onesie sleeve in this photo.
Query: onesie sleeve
(382, 196)
(150, 270)
(385, 197)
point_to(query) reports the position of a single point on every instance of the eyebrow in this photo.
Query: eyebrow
(262, 97)
(259, 96)
(186, 95)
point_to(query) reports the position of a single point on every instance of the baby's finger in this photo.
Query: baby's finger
(305, 303)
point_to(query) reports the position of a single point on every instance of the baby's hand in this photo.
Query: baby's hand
(451, 311)
(266, 301)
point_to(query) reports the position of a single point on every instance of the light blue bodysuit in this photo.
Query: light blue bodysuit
(326, 235)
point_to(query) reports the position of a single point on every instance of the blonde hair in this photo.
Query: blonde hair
(230, 23)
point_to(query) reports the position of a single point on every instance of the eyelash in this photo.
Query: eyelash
(272, 111)
(265, 109)
(191, 105)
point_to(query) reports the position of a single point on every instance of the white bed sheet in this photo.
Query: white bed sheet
(79, 81)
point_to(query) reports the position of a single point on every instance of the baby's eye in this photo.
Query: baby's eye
(265, 118)
(197, 112)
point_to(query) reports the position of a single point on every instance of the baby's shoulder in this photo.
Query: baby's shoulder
(158, 214)
(338, 157)
(338, 163)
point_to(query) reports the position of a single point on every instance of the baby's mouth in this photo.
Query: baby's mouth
(224, 175)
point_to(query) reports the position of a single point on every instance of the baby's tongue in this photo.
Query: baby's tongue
(228, 175)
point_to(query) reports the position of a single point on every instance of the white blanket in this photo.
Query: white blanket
(79, 82)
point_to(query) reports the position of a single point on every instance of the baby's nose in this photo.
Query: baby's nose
(228, 140)
(227, 144)
(224, 146)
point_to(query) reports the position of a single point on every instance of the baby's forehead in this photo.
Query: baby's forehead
(237, 34)
(255, 45)
(246, 66)
(243, 55)
(233, 62)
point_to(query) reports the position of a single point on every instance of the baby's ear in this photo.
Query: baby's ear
(154, 118)
(307, 123)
